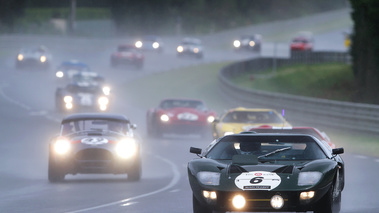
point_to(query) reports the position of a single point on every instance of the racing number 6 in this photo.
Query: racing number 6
(256, 180)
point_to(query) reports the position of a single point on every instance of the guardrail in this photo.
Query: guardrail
(345, 115)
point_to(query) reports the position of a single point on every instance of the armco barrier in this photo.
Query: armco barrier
(346, 115)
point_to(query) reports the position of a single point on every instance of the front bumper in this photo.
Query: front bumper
(259, 201)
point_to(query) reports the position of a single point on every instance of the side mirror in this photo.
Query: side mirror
(337, 151)
(216, 120)
(195, 150)
(133, 126)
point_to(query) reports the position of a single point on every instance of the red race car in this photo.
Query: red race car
(303, 41)
(184, 116)
(296, 130)
(127, 54)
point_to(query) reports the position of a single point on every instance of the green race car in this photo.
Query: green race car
(267, 172)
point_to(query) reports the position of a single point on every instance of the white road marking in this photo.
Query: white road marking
(124, 202)
(38, 113)
(12, 100)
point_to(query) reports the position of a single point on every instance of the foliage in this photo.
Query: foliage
(365, 49)
(329, 81)
(10, 11)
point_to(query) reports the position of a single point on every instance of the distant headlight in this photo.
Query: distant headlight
(67, 99)
(228, 133)
(20, 57)
(126, 148)
(252, 43)
(164, 118)
(103, 101)
(106, 90)
(308, 178)
(62, 146)
(210, 119)
(237, 43)
(239, 201)
(138, 44)
(59, 74)
(195, 50)
(209, 178)
(155, 45)
(42, 59)
(180, 49)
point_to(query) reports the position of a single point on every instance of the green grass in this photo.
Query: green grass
(201, 82)
(329, 81)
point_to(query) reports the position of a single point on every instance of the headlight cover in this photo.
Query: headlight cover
(103, 101)
(20, 57)
(59, 74)
(165, 118)
(180, 49)
(62, 146)
(309, 178)
(138, 44)
(126, 148)
(237, 43)
(106, 90)
(43, 59)
(209, 178)
(210, 119)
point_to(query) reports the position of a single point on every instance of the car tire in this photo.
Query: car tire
(54, 175)
(330, 203)
(134, 174)
(198, 207)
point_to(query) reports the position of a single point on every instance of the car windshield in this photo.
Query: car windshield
(96, 125)
(87, 77)
(291, 131)
(168, 104)
(73, 88)
(267, 148)
(252, 117)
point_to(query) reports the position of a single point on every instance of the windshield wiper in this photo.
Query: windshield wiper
(275, 151)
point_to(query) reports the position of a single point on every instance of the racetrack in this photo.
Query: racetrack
(29, 120)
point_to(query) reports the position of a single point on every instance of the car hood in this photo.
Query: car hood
(240, 127)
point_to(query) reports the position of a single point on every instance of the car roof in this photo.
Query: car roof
(90, 116)
(181, 99)
(250, 109)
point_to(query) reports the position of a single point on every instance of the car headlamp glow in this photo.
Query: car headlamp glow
(239, 201)
(179, 49)
(210, 195)
(209, 178)
(138, 44)
(103, 101)
(42, 58)
(237, 43)
(252, 43)
(228, 133)
(308, 178)
(62, 146)
(20, 57)
(59, 74)
(307, 195)
(67, 99)
(164, 118)
(126, 148)
(69, 105)
(196, 50)
(155, 45)
(277, 202)
(210, 119)
(106, 90)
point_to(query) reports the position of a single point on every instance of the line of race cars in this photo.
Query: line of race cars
(257, 161)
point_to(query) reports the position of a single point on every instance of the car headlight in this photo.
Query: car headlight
(103, 101)
(20, 57)
(164, 118)
(42, 59)
(126, 148)
(239, 201)
(62, 146)
(59, 74)
(237, 43)
(308, 178)
(180, 49)
(211, 118)
(196, 50)
(67, 99)
(252, 43)
(138, 44)
(155, 45)
(228, 133)
(209, 178)
(106, 90)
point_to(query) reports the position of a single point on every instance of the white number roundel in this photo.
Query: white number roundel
(94, 141)
(258, 180)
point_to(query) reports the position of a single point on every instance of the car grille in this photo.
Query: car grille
(94, 154)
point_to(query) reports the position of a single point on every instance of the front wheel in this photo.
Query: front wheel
(135, 173)
(330, 203)
(54, 175)
(198, 208)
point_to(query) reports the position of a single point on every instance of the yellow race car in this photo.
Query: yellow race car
(243, 119)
